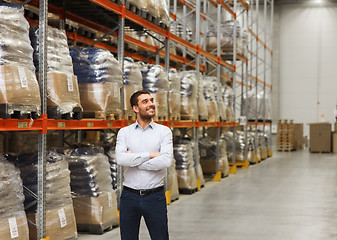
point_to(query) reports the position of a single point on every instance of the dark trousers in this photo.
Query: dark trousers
(152, 207)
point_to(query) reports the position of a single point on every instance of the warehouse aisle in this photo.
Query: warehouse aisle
(290, 196)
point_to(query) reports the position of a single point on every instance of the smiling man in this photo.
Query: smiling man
(145, 149)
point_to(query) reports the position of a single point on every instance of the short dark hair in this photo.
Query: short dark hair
(134, 97)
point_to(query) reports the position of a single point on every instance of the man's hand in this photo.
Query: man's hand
(154, 154)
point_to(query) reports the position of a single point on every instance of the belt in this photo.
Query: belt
(144, 192)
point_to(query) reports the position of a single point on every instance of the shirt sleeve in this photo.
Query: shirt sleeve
(166, 154)
(128, 159)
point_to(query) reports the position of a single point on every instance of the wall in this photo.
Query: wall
(308, 62)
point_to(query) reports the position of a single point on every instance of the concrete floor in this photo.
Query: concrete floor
(291, 196)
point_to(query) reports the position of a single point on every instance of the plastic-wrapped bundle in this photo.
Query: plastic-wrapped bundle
(180, 31)
(262, 147)
(267, 138)
(188, 96)
(100, 79)
(94, 200)
(15, 48)
(57, 183)
(12, 214)
(163, 12)
(228, 95)
(199, 171)
(174, 95)
(110, 152)
(172, 181)
(58, 57)
(90, 171)
(155, 80)
(207, 149)
(203, 112)
(132, 81)
(20, 89)
(249, 99)
(210, 87)
(183, 154)
(244, 42)
(264, 106)
(251, 151)
(240, 146)
(11, 194)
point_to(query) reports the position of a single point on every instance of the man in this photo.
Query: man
(145, 149)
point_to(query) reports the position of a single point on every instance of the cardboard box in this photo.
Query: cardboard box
(60, 223)
(8, 227)
(20, 89)
(62, 92)
(298, 136)
(101, 210)
(320, 137)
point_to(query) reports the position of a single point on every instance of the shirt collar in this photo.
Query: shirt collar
(151, 125)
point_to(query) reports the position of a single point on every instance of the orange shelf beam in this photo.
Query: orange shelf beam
(21, 124)
(260, 41)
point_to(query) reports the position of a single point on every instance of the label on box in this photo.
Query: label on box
(62, 217)
(70, 83)
(110, 199)
(203, 152)
(13, 227)
(23, 77)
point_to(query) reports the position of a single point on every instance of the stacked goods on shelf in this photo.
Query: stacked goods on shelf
(207, 149)
(172, 182)
(188, 96)
(226, 37)
(187, 179)
(99, 80)
(132, 83)
(62, 87)
(240, 147)
(289, 135)
(199, 171)
(179, 30)
(94, 199)
(157, 9)
(60, 217)
(262, 148)
(320, 137)
(228, 98)
(249, 101)
(203, 112)
(155, 80)
(244, 43)
(20, 92)
(174, 95)
(209, 94)
(13, 221)
(110, 152)
(264, 106)
(251, 152)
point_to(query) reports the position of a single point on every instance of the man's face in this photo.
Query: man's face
(145, 108)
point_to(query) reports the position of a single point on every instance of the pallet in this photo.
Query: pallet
(174, 118)
(129, 115)
(5, 108)
(160, 118)
(187, 191)
(103, 116)
(286, 150)
(186, 117)
(175, 199)
(98, 229)
(54, 113)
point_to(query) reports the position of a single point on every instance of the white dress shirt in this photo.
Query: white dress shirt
(141, 172)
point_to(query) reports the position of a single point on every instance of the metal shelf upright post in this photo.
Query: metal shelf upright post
(42, 139)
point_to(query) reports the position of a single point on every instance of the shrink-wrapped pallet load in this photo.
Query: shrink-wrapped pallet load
(228, 98)
(13, 221)
(132, 83)
(226, 37)
(251, 151)
(183, 154)
(244, 42)
(94, 199)
(207, 149)
(155, 80)
(62, 87)
(172, 181)
(199, 172)
(174, 95)
(203, 112)
(110, 152)
(188, 96)
(60, 218)
(209, 94)
(100, 79)
(264, 106)
(249, 102)
(19, 90)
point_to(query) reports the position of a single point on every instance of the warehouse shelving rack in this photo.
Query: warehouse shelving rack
(122, 16)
